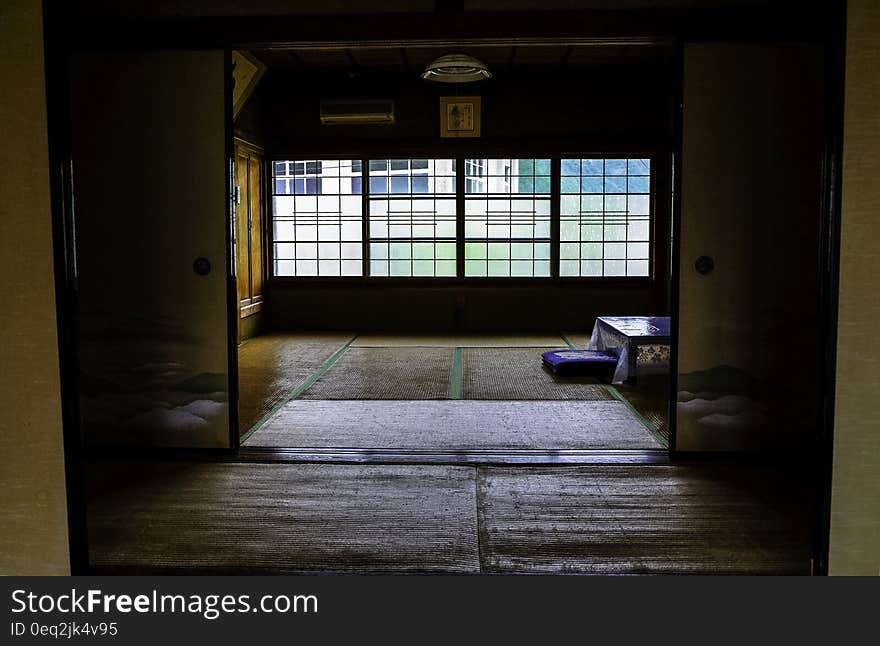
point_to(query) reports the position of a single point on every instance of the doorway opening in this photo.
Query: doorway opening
(368, 335)
(400, 289)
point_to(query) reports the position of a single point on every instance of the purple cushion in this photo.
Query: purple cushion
(562, 357)
(581, 363)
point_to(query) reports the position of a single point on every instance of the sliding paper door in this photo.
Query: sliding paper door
(751, 189)
(150, 179)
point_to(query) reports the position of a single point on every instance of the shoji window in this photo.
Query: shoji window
(507, 217)
(605, 207)
(514, 218)
(317, 217)
(412, 217)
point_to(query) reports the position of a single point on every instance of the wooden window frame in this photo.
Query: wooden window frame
(660, 200)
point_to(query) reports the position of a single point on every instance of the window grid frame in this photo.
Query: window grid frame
(515, 217)
(290, 176)
(624, 214)
(414, 218)
(459, 196)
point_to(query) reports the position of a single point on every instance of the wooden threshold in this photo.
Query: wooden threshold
(251, 309)
(524, 457)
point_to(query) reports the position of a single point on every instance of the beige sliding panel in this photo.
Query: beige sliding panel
(748, 353)
(150, 185)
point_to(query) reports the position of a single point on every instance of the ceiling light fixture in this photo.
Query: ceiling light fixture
(456, 68)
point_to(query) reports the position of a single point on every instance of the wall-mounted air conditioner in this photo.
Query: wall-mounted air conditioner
(357, 112)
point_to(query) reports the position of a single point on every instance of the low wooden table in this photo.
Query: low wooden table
(641, 343)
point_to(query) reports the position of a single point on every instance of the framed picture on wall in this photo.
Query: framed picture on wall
(460, 116)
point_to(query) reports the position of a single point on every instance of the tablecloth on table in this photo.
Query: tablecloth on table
(640, 342)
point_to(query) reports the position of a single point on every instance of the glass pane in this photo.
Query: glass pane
(378, 184)
(569, 268)
(423, 250)
(499, 268)
(639, 184)
(475, 268)
(507, 216)
(569, 204)
(420, 184)
(399, 184)
(639, 166)
(475, 250)
(592, 185)
(592, 167)
(637, 268)
(615, 268)
(615, 184)
(415, 214)
(400, 268)
(571, 185)
(445, 268)
(318, 228)
(352, 268)
(615, 167)
(591, 268)
(444, 250)
(591, 251)
(606, 208)
(571, 168)
(423, 268)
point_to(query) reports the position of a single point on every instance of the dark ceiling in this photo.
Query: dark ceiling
(499, 58)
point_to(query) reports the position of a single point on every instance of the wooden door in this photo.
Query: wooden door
(255, 189)
(249, 230)
(242, 265)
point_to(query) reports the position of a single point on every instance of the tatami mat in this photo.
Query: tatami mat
(283, 517)
(651, 398)
(279, 367)
(620, 519)
(273, 365)
(628, 519)
(460, 341)
(580, 340)
(455, 425)
(518, 374)
(386, 373)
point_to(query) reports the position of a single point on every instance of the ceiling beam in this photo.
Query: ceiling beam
(295, 59)
(355, 66)
(565, 56)
(635, 27)
(448, 6)
(511, 58)
(404, 60)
